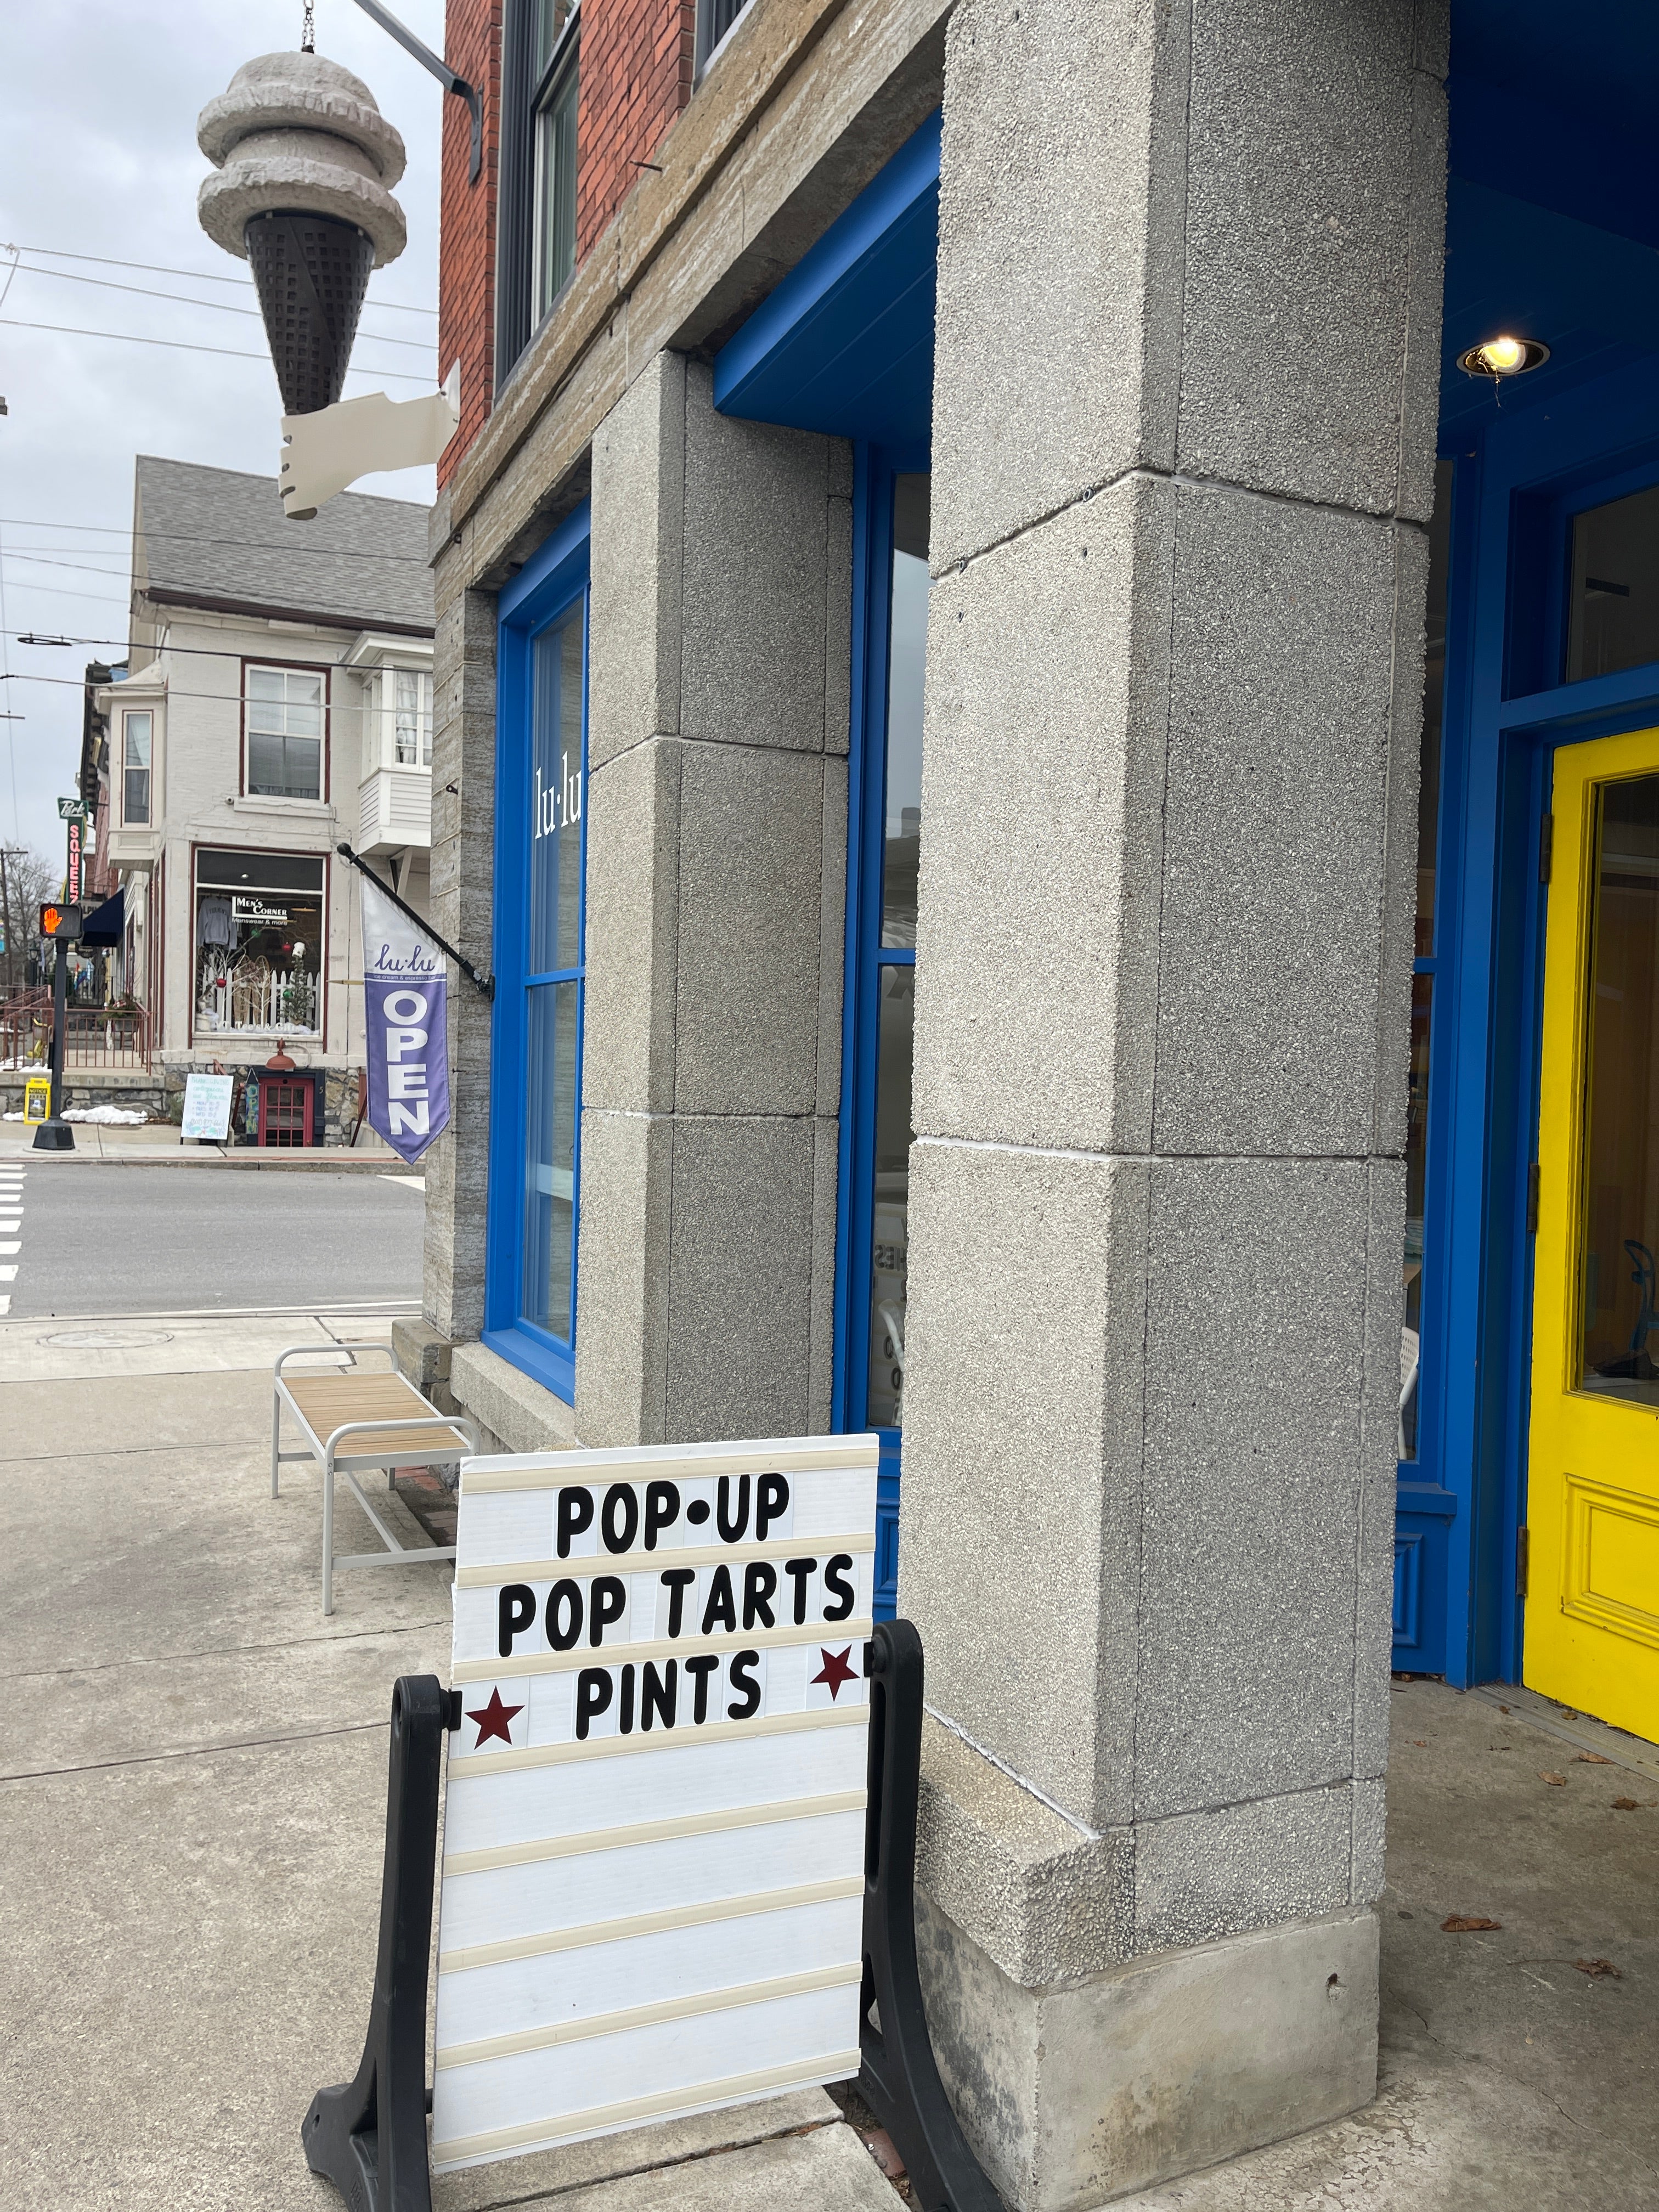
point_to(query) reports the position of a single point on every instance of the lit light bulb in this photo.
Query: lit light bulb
(1503, 354)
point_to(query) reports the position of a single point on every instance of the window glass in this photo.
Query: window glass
(550, 18)
(890, 1244)
(135, 794)
(1428, 838)
(1621, 1303)
(258, 946)
(285, 732)
(555, 189)
(714, 19)
(556, 836)
(1434, 692)
(896, 974)
(411, 717)
(907, 659)
(551, 1157)
(552, 987)
(1612, 614)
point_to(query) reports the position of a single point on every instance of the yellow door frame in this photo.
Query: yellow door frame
(1593, 1459)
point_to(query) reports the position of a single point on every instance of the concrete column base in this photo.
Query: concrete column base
(1087, 2090)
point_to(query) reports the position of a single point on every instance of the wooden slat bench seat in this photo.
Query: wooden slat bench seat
(356, 1418)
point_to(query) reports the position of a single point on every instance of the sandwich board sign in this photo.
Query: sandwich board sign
(652, 1868)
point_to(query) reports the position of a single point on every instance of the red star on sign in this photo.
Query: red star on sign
(836, 1670)
(493, 1719)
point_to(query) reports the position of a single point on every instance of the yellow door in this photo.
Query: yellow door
(1592, 1607)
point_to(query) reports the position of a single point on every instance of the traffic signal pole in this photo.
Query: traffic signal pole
(54, 1134)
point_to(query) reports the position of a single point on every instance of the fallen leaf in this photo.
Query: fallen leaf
(1555, 1780)
(1593, 1758)
(1624, 1804)
(1466, 1923)
(1422, 1742)
(1503, 1709)
(1599, 1969)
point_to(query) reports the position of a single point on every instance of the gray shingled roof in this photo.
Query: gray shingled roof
(215, 538)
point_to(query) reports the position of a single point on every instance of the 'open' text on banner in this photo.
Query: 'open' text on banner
(406, 1009)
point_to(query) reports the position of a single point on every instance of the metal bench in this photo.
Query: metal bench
(355, 1419)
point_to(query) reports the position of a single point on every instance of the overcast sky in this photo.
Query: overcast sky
(98, 108)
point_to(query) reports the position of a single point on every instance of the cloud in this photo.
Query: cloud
(98, 106)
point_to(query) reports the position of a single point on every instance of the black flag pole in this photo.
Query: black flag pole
(484, 984)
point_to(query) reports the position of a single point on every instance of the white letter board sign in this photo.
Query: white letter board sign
(652, 1870)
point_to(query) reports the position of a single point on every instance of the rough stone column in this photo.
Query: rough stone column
(1189, 302)
(716, 863)
(462, 881)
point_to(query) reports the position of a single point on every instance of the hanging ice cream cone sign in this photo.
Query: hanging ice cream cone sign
(304, 164)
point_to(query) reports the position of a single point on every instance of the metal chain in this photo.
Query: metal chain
(308, 30)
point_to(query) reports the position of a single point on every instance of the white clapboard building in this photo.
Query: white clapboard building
(279, 700)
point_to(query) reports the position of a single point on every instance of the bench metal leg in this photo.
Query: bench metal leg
(328, 1538)
(276, 1437)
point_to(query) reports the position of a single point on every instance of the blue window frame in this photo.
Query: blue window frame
(844, 345)
(541, 846)
(889, 589)
(1509, 700)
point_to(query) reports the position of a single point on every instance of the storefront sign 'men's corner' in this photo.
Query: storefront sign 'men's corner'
(405, 1012)
(653, 1875)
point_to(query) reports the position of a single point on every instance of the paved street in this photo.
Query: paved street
(85, 1237)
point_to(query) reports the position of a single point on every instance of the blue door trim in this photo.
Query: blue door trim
(1506, 709)
(844, 345)
(551, 582)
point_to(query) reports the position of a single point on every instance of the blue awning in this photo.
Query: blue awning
(106, 924)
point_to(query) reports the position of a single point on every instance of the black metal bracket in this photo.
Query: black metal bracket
(439, 69)
(484, 984)
(899, 2079)
(369, 2136)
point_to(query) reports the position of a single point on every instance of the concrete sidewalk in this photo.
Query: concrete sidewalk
(158, 1144)
(193, 1794)
(193, 1789)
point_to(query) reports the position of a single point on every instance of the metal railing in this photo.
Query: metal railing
(93, 1037)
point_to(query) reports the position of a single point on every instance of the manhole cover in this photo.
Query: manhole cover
(107, 1340)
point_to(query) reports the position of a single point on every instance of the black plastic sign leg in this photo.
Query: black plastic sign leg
(369, 2136)
(899, 2079)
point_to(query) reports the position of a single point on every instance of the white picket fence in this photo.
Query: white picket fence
(276, 998)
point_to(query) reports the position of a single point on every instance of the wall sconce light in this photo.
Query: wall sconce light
(1503, 356)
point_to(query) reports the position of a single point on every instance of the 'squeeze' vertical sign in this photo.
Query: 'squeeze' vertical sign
(652, 1870)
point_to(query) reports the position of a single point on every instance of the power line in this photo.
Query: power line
(124, 645)
(194, 537)
(219, 306)
(195, 275)
(182, 346)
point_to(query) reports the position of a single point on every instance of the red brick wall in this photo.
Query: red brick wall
(466, 257)
(636, 63)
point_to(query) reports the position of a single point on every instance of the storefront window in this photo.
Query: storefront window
(1428, 839)
(553, 985)
(258, 943)
(896, 960)
(1613, 617)
(285, 707)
